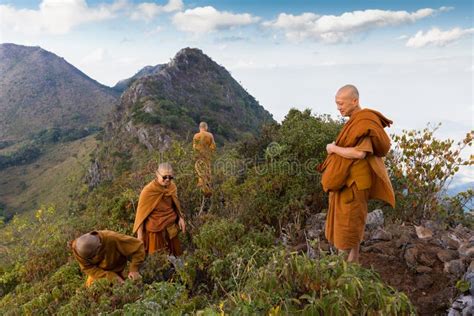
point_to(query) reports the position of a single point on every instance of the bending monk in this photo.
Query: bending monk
(204, 147)
(104, 253)
(159, 214)
(354, 172)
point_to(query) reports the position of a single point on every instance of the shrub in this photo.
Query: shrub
(295, 284)
(421, 167)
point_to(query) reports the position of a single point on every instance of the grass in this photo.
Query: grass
(48, 180)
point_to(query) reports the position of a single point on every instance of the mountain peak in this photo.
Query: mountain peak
(41, 90)
(177, 96)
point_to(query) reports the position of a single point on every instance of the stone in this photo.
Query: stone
(410, 256)
(423, 232)
(466, 250)
(454, 267)
(403, 240)
(315, 225)
(463, 233)
(469, 277)
(375, 219)
(432, 225)
(426, 260)
(446, 255)
(471, 267)
(462, 306)
(381, 234)
(423, 269)
(423, 282)
(450, 241)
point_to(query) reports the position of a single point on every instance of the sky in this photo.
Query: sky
(411, 60)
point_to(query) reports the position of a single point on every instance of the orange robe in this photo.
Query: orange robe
(111, 259)
(352, 182)
(204, 146)
(159, 210)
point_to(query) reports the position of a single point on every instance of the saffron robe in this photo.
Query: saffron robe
(352, 182)
(204, 146)
(111, 258)
(159, 210)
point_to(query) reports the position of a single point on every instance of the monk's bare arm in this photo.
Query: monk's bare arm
(346, 152)
(140, 233)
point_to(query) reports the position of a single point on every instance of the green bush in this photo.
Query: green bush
(295, 284)
(421, 167)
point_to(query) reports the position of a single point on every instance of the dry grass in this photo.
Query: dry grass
(49, 180)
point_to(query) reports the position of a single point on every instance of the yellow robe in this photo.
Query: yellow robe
(204, 146)
(351, 182)
(111, 259)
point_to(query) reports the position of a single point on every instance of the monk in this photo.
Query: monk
(354, 172)
(159, 214)
(204, 147)
(104, 254)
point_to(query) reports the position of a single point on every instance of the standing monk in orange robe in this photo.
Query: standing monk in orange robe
(104, 254)
(204, 147)
(354, 172)
(159, 216)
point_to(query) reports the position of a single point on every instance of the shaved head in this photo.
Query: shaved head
(347, 100)
(348, 90)
(88, 244)
(203, 125)
(165, 168)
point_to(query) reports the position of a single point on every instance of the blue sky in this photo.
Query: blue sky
(412, 60)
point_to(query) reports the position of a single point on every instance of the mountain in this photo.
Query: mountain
(173, 98)
(122, 85)
(40, 90)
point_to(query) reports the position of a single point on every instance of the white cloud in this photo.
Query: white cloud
(207, 19)
(335, 29)
(437, 37)
(149, 10)
(96, 56)
(55, 16)
(61, 16)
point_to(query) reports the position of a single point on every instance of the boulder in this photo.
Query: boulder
(450, 241)
(469, 277)
(471, 267)
(466, 250)
(423, 269)
(423, 232)
(375, 219)
(426, 259)
(446, 255)
(454, 267)
(381, 234)
(410, 256)
(315, 225)
(462, 306)
(403, 240)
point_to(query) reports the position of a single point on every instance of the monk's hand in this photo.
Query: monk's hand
(182, 224)
(120, 280)
(330, 147)
(134, 275)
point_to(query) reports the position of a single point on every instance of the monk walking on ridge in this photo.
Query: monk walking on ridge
(104, 253)
(159, 216)
(354, 172)
(204, 147)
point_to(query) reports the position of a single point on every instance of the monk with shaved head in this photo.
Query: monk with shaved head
(104, 254)
(159, 216)
(354, 172)
(204, 147)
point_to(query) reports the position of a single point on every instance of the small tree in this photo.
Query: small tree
(422, 167)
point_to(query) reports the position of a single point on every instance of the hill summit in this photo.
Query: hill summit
(173, 98)
(40, 90)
